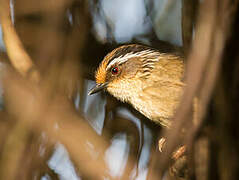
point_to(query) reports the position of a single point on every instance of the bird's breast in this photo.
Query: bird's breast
(158, 101)
(125, 90)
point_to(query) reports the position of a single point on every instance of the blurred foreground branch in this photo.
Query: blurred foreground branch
(18, 56)
(202, 69)
(32, 107)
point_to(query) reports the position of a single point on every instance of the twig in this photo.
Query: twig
(189, 11)
(15, 50)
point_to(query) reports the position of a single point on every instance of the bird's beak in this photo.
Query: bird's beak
(98, 88)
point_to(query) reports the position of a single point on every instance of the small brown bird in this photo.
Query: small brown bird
(142, 76)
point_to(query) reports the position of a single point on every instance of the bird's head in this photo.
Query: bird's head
(123, 65)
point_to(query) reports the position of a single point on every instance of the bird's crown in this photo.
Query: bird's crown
(118, 57)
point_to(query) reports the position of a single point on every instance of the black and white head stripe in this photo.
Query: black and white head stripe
(127, 52)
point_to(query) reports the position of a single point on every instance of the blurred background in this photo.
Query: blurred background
(56, 131)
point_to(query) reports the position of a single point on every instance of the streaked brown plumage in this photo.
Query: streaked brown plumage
(142, 76)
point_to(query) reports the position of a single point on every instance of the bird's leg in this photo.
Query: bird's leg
(176, 154)
(179, 152)
(161, 144)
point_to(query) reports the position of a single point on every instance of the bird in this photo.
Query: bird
(149, 80)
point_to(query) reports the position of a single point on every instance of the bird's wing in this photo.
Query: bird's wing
(164, 88)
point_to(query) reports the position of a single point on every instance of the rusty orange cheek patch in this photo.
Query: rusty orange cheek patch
(100, 74)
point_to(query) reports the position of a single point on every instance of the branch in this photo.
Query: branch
(19, 58)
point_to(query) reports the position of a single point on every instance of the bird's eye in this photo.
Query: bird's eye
(115, 70)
